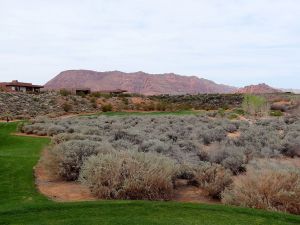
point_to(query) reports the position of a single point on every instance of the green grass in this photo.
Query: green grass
(20, 203)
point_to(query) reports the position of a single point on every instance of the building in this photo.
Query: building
(82, 91)
(21, 87)
(116, 91)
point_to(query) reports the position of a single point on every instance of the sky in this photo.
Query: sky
(235, 42)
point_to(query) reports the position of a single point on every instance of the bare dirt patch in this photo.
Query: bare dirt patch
(137, 100)
(10, 121)
(234, 135)
(57, 190)
(188, 193)
(29, 135)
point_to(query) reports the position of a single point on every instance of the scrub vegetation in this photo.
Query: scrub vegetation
(20, 203)
(141, 157)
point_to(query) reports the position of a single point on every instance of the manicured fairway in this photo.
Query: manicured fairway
(20, 203)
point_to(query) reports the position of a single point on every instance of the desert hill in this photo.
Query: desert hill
(257, 89)
(138, 82)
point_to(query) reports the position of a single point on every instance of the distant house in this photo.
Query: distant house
(116, 91)
(82, 91)
(21, 86)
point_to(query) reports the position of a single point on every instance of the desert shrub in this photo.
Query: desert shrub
(185, 139)
(35, 128)
(255, 105)
(93, 101)
(266, 187)
(231, 157)
(154, 146)
(291, 145)
(128, 136)
(106, 108)
(276, 113)
(231, 127)
(161, 106)
(129, 175)
(203, 155)
(64, 92)
(232, 116)
(68, 157)
(63, 137)
(221, 112)
(55, 129)
(182, 107)
(212, 135)
(149, 106)
(255, 138)
(20, 126)
(239, 111)
(212, 113)
(67, 107)
(213, 178)
(186, 171)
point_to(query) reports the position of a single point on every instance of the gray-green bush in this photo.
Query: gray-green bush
(129, 175)
(68, 157)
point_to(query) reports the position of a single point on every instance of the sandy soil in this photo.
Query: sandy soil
(185, 193)
(60, 190)
(11, 121)
(28, 135)
(137, 100)
(234, 135)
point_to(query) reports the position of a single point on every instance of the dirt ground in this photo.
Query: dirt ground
(185, 193)
(234, 135)
(11, 121)
(28, 135)
(59, 190)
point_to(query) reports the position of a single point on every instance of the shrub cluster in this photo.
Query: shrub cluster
(134, 146)
(213, 178)
(266, 186)
(67, 158)
(129, 175)
(201, 101)
(183, 138)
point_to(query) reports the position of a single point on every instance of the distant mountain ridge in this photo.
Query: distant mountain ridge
(258, 89)
(138, 82)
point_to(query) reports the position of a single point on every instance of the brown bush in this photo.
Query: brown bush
(129, 175)
(67, 107)
(213, 178)
(106, 108)
(273, 188)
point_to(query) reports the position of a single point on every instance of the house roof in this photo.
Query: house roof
(21, 84)
(113, 91)
(3, 86)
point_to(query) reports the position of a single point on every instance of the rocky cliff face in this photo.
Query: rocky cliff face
(139, 82)
(257, 89)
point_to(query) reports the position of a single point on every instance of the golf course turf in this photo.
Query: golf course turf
(20, 203)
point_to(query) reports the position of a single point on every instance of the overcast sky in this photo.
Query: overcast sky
(236, 42)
